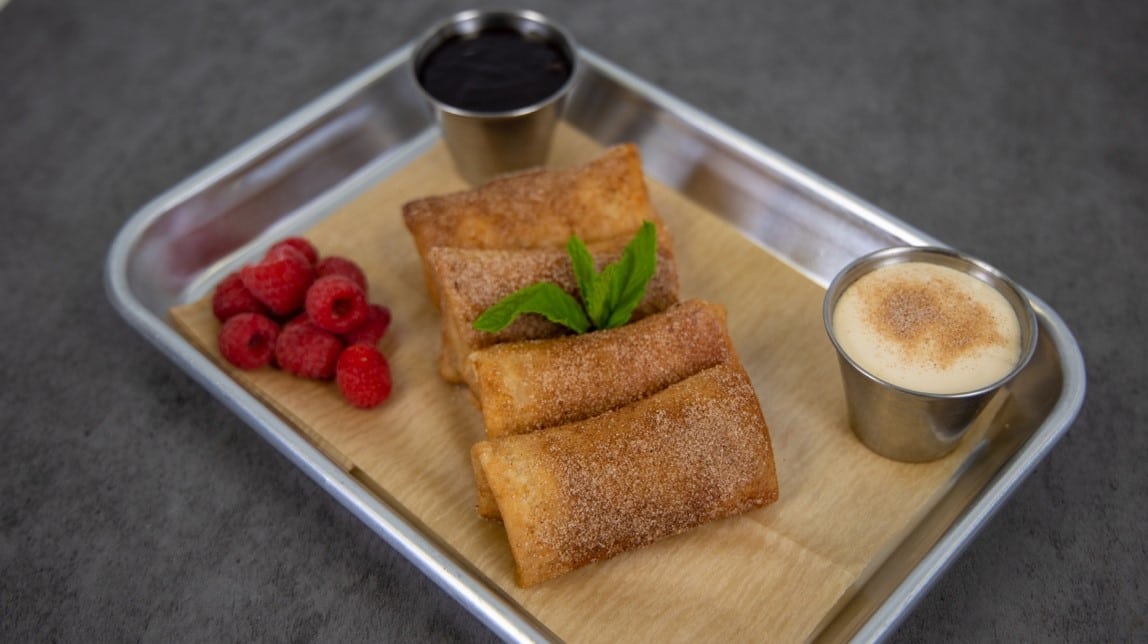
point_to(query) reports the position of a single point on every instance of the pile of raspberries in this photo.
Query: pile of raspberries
(308, 316)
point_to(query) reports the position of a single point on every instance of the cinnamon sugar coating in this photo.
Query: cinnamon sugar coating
(524, 386)
(472, 280)
(600, 200)
(574, 494)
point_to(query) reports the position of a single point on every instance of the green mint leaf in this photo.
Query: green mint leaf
(604, 282)
(543, 298)
(609, 296)
(593, 297)
(630, 275)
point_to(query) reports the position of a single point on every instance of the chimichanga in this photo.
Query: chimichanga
(570, 495)
(472, 280)
(600, 200)
(524, 386)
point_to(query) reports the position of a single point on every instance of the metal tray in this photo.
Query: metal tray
(288, 177)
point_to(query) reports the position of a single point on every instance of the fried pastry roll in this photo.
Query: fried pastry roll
(574, 494)
(524, 386)
(600, 200)
(472, 280)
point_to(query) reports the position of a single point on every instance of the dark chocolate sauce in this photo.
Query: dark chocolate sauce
(496, 70)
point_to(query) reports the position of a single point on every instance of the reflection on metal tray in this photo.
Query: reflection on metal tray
(325, 154)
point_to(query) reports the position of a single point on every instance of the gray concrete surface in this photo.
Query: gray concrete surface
(134, 507)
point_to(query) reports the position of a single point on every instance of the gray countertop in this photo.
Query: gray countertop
(133, 506)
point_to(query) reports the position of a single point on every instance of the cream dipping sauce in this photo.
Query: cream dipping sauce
(928, 328)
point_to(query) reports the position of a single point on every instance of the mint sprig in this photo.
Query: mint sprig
(609, 296)
(544, 298)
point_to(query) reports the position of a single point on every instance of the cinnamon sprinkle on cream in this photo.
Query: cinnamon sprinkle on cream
(928, 327)
(932, 319)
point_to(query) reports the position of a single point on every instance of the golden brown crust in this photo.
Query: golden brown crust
(602, 199)
(570, 495)
(487, 508)
(524, 386)
(472, 280)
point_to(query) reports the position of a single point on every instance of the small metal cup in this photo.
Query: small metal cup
(485, 144)
(907, 425)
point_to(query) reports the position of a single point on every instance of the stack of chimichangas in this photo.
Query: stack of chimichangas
(605, 441)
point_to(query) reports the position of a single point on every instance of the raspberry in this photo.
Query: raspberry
(280, 280)
(372, 329)
(307, 351)
(329, 329)
(336, 304)
(335, 265)
(247, 340)
(363, 376)
(300, 317)
(231, 297)
(302, 245)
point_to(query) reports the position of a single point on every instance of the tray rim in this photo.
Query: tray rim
(456, 576)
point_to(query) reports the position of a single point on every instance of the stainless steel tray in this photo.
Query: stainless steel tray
(288, 177)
